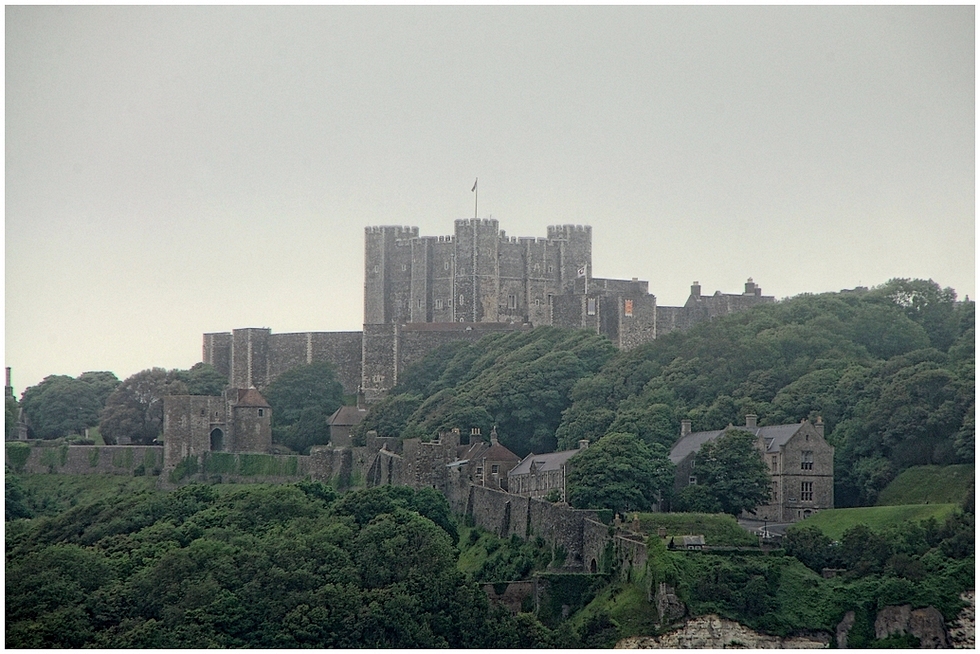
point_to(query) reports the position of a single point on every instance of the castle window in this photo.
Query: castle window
(806, 491)
(551, 269)
(495, 469)
(375, 268)
(775, 463)
(590, 306)
(537, 301)
(404, 268)
(446, 266)
(511, 301)
(202, 413)
(261, 412)
(438, 305)
(479, 471)
(420, 303)
(692, 481)
(806, 462)
(774, 492)
(460, 300)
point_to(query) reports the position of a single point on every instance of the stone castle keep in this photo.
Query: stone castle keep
(423, 291)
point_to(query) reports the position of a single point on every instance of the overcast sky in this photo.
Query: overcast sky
(172, 171)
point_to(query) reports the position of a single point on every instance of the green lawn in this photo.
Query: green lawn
(834, 522)
(929, 485)
(718, 528)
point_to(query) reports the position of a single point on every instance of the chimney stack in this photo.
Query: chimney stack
(751, 420)
(685, 427)
(696, 289)
(583, 444)
(819, 426)
(493, 435)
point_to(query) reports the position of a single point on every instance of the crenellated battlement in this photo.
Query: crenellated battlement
(478, 222)
(399, 231)
(566, 231)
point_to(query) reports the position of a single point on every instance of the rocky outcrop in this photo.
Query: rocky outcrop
(713, 632)
(925, 624)
(844, 628)
(669, 607)
(961, 632)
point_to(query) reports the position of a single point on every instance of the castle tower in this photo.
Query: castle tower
(477, 278)
(388, 274)
(575, 264)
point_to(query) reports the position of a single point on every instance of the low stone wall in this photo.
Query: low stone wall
(84, 459)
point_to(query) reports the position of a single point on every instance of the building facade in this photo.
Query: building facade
(240, 420)
(798, 457)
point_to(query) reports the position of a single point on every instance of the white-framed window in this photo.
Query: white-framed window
(806, 460)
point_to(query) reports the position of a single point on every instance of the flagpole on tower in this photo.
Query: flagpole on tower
(476, 200)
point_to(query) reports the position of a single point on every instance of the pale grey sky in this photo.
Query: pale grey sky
(172, 171)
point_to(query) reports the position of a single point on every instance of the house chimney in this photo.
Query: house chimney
(493, 435)
(685, 427)
(751, 420)
(819, 426)
(474, 431)
(696, 289)
(583, 444)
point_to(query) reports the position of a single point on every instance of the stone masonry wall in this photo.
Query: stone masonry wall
(93, 459)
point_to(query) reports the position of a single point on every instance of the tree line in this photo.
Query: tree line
(131, 410)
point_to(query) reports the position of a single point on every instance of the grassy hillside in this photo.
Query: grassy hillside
(834, 522)
(718, 528)
(929, 485)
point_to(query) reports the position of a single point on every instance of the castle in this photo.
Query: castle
(423, 291)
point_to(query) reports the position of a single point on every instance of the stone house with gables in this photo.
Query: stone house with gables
(799, 459)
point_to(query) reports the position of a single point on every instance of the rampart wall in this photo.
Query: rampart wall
(85, 459)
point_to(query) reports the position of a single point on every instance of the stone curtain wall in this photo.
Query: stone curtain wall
(507, 515)
(88, 459)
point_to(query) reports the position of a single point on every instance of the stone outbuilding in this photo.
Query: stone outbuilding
(342, 422)
(539, 474)
(487, 464)
(240, 420)
(799, 459)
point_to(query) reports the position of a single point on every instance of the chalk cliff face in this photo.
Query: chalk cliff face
(713, 632)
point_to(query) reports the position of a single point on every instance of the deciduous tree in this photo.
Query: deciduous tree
(621, 473)
(732, 470)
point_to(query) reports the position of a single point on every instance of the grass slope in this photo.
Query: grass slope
(929, 485)
(718, 528)
(834, 522)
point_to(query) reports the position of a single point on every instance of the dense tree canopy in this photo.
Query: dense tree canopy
(264, 566)
(621, 473)
(519, 382)
(890, 370)
(61, 405)
(302, 399)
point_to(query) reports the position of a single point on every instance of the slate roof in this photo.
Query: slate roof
(346, 416)
(251, 397)
(483, 450)
(543, 462)
(775, 437)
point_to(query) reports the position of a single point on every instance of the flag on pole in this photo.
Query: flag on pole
(474, 185)
(581, 271)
